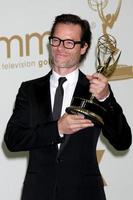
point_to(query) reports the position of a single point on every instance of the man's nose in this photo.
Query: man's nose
(61, 45)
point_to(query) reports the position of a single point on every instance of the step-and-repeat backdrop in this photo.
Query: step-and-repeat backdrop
(24, 31)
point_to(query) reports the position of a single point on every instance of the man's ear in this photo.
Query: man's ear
(84, 48)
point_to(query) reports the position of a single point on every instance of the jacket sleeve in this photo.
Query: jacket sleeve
(116, 128)
(21, 134)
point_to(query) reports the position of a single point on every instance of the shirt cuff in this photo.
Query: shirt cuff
(101, 100)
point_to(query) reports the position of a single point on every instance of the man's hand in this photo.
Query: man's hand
(98, 86)
(69, 124)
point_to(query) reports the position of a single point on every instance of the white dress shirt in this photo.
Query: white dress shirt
(68, 86)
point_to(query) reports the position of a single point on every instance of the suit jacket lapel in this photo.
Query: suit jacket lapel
(43, 96)
(82, 87)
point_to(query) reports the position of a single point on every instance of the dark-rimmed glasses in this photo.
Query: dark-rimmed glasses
(68, 43)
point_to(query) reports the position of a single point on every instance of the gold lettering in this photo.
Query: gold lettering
(8, 43)
(42, 63)
(20, 41)
(40, 40)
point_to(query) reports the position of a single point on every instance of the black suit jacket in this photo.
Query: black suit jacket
(71, 172)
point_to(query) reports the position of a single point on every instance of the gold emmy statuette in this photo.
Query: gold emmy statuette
(107, 60)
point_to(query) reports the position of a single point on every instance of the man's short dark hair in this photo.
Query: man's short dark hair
(74, 19)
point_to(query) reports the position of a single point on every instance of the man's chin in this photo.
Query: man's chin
(61, 65)
(64, 64)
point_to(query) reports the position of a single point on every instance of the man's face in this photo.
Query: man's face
(67, 58)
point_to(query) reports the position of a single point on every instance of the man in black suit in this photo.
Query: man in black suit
(62, 150)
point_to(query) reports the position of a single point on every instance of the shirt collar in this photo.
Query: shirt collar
(71, 77)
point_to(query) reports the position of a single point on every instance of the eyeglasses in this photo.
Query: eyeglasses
(68, 44)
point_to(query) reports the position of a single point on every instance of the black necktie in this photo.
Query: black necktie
(58, 99)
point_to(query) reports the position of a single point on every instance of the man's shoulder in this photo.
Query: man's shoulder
(39, 80)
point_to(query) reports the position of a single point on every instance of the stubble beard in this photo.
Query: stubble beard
(69, 64)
